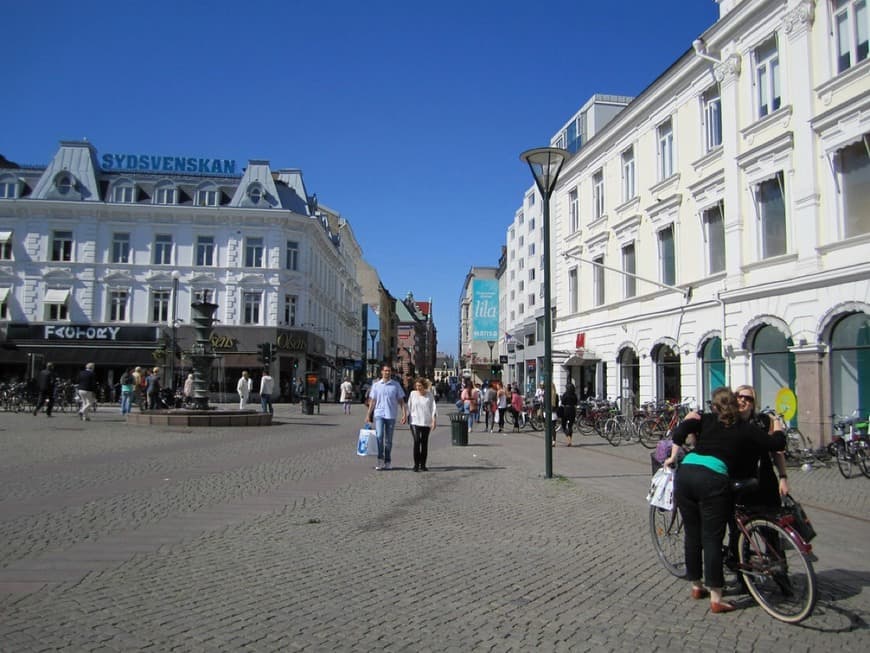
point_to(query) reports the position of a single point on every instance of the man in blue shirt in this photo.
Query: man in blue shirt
(385, 399)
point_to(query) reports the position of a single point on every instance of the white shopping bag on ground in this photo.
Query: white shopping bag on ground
(367, 442)
(661, 489)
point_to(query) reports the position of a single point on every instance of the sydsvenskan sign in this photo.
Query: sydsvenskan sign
(154, 163)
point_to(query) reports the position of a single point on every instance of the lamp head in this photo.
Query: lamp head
(700, 46)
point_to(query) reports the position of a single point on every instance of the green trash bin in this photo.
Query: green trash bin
(459, 427)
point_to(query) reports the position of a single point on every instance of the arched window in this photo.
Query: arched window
(850, 365)
(713, 367)
(772, 365)
(667, 371)
(629, 375)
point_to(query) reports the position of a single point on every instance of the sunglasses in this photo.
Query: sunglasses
(748, 398)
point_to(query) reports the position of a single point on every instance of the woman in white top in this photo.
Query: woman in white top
(421, 412)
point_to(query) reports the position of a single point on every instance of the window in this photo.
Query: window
(61, 246)
(203, 295)
(205, 250)
(64, 184)
(770, 201)
(667, 256)
(8, 190)
(123, 194)
(251, 302)
(573, 212)
(207, 197)
(573, 300)
(532, 199)
(531, 249)
(854, 170)
(121, 248)
(522, 285)
(166, 195)
(160, 305)
(56, 304)
(531, 274)
(532, 224)
(290, 310)
(118, 305)
(521, 309)
(628, 174)
(598, 195)
(629, 266)
(851, 25)
(711, 102)
(531, 299)
(292, 255)
(162, 249)
(767, 77)
(253, 252)
(713, 375)
(598, 281)
(5, 245)
(665, 133)
(714, 231)
(513, 294)
(255, 193)
(4, 303)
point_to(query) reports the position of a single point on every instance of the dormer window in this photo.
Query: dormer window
(124, 194)
(166, 193)
(255, 193)
(207, 196)
(8, 189)
(64, 184)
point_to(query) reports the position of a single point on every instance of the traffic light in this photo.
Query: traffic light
(495, 369)
(264, 354)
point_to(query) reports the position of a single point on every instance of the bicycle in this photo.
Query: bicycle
(798, 448)
(526, 417)
(772, 557)
(851, 444)
(619, 429)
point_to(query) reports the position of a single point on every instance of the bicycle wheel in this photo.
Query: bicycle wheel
(650, 434)
(863, 459)
(779, 577)
(613, 431)
(844, 460)
(536, 422)
(666, 530)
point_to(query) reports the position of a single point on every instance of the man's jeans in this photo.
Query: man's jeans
(126, 401)
(384, 433)
(266, 403)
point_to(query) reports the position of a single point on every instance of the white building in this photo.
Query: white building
(102, 256)
(738, 182)
(521, 283)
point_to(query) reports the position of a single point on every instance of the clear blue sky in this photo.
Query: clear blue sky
(407, 117)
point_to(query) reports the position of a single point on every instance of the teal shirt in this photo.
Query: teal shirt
(710, 462)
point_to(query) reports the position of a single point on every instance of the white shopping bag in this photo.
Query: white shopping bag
(661, 489)
(367, 442)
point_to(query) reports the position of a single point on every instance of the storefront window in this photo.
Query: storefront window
(629, 376)
(667, 370)
(850, 365)
(772, 365)
(714, 368)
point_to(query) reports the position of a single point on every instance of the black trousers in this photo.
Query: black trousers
(46, 398)
(421, 444)
(704, 500)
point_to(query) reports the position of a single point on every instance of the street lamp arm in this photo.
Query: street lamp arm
(685, 292)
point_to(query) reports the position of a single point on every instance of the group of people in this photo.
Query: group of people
(245, 385)
(387, 405)
(731, 442)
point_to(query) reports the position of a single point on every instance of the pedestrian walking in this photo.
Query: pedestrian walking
(501, 406)
(386, 399)
(489, 407)
(422, 413)
(128, 388)
(267, 386)
(152, 389)
(87, 388)
(346, 395)
(188, 390)
(516, 407)
(569, 412)
(470, 397)
(243, 387)
(46, 381)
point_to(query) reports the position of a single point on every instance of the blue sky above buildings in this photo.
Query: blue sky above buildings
(407, 117)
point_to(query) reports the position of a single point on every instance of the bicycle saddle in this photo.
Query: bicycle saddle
(741, 485)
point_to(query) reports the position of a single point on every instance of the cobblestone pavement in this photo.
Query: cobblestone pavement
(116, 537)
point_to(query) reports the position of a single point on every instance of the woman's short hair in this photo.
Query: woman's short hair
(422, 380)
(724, 404)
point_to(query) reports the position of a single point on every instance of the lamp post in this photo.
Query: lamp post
(176, 275)
(546, 163)
(373, 333)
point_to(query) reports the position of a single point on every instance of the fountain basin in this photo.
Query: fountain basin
(186, 417)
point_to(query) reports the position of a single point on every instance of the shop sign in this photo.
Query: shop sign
(291, 342)
(221, 342)
(80, 332)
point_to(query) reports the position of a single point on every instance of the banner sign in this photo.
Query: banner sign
(484, 309)
(152, 163)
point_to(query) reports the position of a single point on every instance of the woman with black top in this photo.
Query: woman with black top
(569, 411)
(724, 444)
